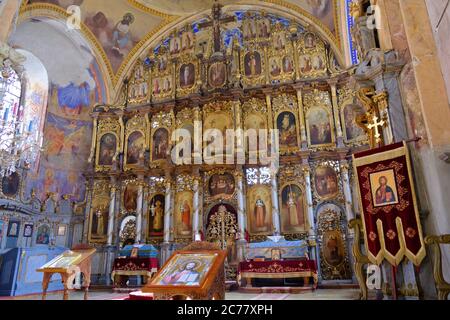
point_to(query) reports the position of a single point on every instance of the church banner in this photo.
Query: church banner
(390, 216)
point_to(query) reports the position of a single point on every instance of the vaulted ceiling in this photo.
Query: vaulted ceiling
(121, 30)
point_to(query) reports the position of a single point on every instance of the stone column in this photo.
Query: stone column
(301, 115)
(196, 209)
(275, 204)
(109, 250)
(269, 110)
(112, 210)
(139, 211)
(94, 137)
(88, 209)
(240, 144)
(167, 212)
(309, 201)
(349, 212)
(347, 191)
(242, 221)
(336, 112)
(165, 246)
(241, 205)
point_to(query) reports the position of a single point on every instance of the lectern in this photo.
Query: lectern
(190, 275)
(68, 265)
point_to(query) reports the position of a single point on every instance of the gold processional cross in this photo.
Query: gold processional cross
(375, 125)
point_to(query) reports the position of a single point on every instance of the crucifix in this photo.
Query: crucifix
(216, 22)
(374, 126)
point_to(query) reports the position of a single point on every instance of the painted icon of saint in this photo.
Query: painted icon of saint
(385, 194)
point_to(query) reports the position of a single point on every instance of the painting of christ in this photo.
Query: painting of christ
(293, 206)
(253, 65)
(287, 126)
(187, 76)
(259, 206)
(160, 145)
(185, 270)
(384, 188)
(108, 149)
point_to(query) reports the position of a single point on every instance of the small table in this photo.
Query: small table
(126, 267)
(305, 269)
(67, 265)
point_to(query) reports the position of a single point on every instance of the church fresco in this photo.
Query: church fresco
(117, 25)
(321, 9)
(76, 83)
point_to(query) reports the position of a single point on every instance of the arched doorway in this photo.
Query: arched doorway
(222, 228)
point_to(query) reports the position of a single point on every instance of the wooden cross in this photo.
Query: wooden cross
(375, 125)
(217, 20)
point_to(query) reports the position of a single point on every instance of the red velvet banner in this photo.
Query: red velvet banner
(388, 205)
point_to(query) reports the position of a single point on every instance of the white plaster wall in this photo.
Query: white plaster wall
(439, 12)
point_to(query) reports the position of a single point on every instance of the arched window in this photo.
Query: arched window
(23, 101)
(11, 115)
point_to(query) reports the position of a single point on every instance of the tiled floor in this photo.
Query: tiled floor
(322, 294)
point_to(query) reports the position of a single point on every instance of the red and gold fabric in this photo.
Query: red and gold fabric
(390, 216)
(135, 267)
(278, 269)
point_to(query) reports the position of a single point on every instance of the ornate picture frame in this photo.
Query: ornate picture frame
(315, 102)
(161, 121)
(134, 126)
(107, 126)
(286, 114)
(100, 207)
(312, 57)
(139, 86)
(188, 75)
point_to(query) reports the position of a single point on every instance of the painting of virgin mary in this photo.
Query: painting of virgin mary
(288, 130)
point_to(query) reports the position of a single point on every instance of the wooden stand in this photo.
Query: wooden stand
(67, 266)
(211, 285)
